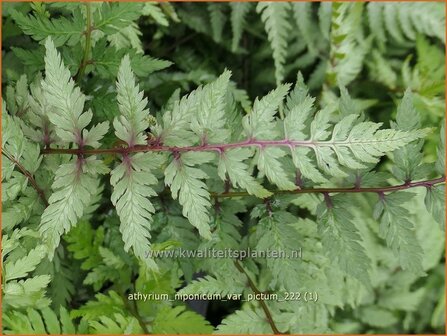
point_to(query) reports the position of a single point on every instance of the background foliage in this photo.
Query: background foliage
(72, 249)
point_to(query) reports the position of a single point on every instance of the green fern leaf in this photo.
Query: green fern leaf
(435, 204)
(133, 177)
(259, 123)
(231, 163)
(381, 70)
(107, 305)
(217, 18)
(210, 285)
(35, 322)
(67, 102)
(108, 61)
(27, 293)
(177, 320)
(131, 181)
(128, 37)
(153, 10)
(186, 184)
(72, 193)
(348, 46)
(429, 19)
(244, 322)
(275, 16)
(280, 236)
(21, 267)
(74, 182)
(375, 20)
(118, 325)
(84, 242)
(403, 23)
(176, 121)
(16, 148)
(408, 159)
(299, 109)
(209, 119)
(440, 162)
(302, 12)
(398, 231)
(391, 24)
(341, 239)
(239, 11)
(114, 16)
(269, 163)
(324, 16)
(62, 30)
(132, 122)
(365, 141)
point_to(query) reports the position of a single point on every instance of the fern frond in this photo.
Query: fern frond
(435, 204)
(108, 61)
(231, 162)
(376, 21)
(176, 119)
(67, 102)
(132, 122)
(72, 191)
(74, 182)
(403, 23)
(128, 37)
(153, 10)
(27, 293)
(435, 197)
(259, 124)
(239, 11)
(62, 30)
(381, 70)
(105, 305)
(21, 267)
(217, 18)
(324, 16)
(210, 285)
(440, 162)
(275, 16)
(342, 240)
(302, 12)
(186, 184)
(133, 177)
(399, 232)
(114, 16)
(17, 149)
(350, 143)
(177, 320)
(269, 163)
(41, 322)
(120, 324)
(208, 122)
(347, 44)
(279, 235)
(244, 322)
(408, 159)
(131, 181)
(84, 243)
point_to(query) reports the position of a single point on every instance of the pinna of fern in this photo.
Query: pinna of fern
(194, 132)
(201, 173)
